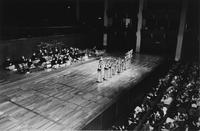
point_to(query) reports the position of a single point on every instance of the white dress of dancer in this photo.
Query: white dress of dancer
(100, 71)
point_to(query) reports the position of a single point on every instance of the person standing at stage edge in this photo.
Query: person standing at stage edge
(100, 70)
(106, 68)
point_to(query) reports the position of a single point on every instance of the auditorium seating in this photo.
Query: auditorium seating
(185, 112)
(173, 104)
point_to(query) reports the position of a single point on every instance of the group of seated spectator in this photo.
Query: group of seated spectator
(48, 56)
(174, 104)
(185, 113)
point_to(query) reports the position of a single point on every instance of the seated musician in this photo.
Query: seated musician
(8, 65)
(54, 63)
(33, 57)
(50, 52)
(60, 61)
(63, 52)
(48, 62)
(45, 52)
(68, 60)
(42, 61)
(64, 59)
(73, 55)
(22, 65)
(56, 51)
(30, 64)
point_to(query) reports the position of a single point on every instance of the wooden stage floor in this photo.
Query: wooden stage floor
(68, 99)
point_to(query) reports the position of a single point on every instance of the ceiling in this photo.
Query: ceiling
(85, 0)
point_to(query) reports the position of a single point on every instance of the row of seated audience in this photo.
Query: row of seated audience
(172, 105)
(185, 112)
(48, 56)
(138, 113)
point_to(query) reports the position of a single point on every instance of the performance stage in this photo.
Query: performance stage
(69, 99)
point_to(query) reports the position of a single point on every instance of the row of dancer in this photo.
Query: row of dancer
(109, 67)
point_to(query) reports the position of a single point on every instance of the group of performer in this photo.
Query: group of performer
(109, 67)
(47, 57)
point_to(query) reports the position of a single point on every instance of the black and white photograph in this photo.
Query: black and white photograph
(118, 65)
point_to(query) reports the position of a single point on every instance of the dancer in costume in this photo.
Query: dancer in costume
(113, 68)
(118, 66)
(122, 65)
(100, 70)
(106, 68)
(110, 69)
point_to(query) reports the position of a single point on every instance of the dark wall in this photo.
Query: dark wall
(160, 27)
(190, 48)
(37, 13)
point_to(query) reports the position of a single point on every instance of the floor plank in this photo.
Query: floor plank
(67, 99)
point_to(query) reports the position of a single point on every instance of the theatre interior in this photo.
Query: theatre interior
(99, 65)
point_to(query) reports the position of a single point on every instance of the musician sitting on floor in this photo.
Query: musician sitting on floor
(22, 66)
(30, 65)
(8, 65)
